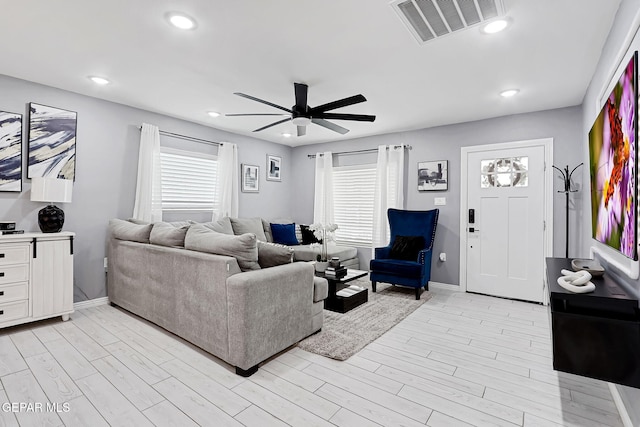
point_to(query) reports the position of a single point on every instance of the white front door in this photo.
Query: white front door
(505, 221)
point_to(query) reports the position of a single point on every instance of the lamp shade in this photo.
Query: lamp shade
(51, 190)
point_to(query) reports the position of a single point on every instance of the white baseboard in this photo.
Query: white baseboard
(90, 303)
(626, 420)
(447, 286)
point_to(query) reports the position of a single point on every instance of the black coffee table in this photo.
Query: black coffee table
(342, 304)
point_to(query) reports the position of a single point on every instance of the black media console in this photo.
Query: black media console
(596, 334)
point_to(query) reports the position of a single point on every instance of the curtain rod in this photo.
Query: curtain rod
(185, 137)
(368, 150)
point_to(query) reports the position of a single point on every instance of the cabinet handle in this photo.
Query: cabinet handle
(1, 293)
(1, 273)
(1, 312)
(1, 255)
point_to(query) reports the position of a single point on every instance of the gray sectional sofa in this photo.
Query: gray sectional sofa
(242, 317)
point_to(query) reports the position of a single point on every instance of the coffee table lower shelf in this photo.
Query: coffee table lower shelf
(343, 304)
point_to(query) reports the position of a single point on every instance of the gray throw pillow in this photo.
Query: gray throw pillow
(272, 254)
(266, 227)
(223, 225)
(125, 230)
(167, 234)
(243, 248)
(248, 225)
(138, 221)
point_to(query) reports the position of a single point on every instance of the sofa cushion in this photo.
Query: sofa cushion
(244, 248)
(166, 234)
(248, 225)
(223, 225)
(307, 235)
(285, 234)
(309, 253)
(125, 230)
(406, 247)
(396, 267)
(272, 254)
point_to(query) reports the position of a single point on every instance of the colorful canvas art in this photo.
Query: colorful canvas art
(612, 154)
(10, 151)
(52, 142)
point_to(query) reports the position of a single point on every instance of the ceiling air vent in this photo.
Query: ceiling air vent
(430, 19)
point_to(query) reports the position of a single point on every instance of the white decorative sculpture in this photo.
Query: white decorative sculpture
(576, 281)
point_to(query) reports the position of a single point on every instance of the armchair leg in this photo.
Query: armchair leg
(418, 292)
(426, 286)
(373, 286)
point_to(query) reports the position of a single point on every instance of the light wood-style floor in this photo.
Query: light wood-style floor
(460, 359)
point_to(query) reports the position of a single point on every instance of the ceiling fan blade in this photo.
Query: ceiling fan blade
(356, 99)
(356, 117)
(301, 90)
(332, 126)
(256, 114)
(302, 130)
(253, 98)
(273, 124)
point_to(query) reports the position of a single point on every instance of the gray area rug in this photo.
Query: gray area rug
(343, 335)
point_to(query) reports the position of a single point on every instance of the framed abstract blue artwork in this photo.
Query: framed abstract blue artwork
(10, 151)
(52, 142)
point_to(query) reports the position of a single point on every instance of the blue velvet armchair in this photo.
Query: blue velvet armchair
(415, 274)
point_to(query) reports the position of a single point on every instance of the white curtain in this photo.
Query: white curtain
(389, 190)
(227, 184)
(323, 201)
(148, 203)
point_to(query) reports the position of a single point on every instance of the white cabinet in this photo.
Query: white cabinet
(36, 277)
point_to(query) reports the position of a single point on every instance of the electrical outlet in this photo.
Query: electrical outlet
(443, 256)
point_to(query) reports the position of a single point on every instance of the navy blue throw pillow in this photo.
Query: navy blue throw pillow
(406, 247)
(284, 234)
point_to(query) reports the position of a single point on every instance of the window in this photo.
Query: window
(188, 180)
(353, 192)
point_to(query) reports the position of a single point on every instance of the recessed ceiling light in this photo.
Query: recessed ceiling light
(181, 21)
(509, 93)
(213, 113)
(99, 80)
(287, 135)
(495, 26)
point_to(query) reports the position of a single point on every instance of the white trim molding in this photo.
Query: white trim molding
(90, 303)
(547, 143)
(447, 286)
(624, 415)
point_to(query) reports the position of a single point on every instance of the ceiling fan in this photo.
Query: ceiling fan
(302, 115)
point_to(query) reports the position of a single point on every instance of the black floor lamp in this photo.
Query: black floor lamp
(566, 176)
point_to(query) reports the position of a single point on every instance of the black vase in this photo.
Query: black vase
(51, 219)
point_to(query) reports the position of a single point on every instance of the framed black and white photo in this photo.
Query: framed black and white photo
(274, 166)
(10, 151)
(250, 178)
(433, 176)
(52, 142)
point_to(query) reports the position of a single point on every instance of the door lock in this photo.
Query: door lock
(473, 230)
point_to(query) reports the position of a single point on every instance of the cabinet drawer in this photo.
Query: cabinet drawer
(14, 310)
(14, 254)
(14, 273)
(14, 292)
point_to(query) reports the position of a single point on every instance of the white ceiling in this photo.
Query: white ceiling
(338, 47)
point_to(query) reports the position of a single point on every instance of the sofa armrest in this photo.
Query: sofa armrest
(383, 253)
(320, 289)
(268, 310)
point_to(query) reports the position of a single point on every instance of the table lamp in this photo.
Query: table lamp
(51, 190)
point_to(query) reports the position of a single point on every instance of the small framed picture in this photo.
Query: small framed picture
(250, 178)
(10, 151)
(433, 176)
(274, 166)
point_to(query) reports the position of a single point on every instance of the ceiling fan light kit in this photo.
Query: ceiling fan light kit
(301, 115)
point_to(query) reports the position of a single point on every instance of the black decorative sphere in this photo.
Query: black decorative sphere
(50, 219)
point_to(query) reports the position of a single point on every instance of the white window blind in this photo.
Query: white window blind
(353, 190)
(188, 180)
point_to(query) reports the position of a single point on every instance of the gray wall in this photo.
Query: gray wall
(444, 143)
(107, 157)
(616, 45)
